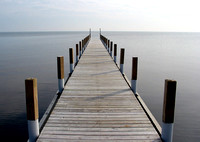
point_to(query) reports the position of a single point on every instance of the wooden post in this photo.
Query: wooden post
(122, 60)
(134, 73)
(168, 110)
(60, 70)
(100, 31)
(84, 44)
(32, 108)
(108, 45)
(80, 49)
(115, 53)
(111, 46)
(71, 60)
(76, 53)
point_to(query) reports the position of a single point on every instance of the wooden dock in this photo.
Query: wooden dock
(97, 104)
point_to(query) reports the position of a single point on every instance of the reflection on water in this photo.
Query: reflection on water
(161, 56)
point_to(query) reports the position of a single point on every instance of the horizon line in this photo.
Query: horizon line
(101, 31)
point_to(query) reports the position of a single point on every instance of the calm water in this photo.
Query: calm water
(161, 56)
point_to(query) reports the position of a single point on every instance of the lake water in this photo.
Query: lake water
(161, 56)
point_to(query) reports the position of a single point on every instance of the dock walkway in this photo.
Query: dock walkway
(98, 105)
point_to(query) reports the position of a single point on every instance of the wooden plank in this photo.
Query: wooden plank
(100, 110)
(126, 133)
(127, 129)
(64, 140)
(89, 137)
(99, 117)
(135, 125)
(110, 92)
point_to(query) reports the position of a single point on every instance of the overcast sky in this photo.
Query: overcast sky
(110, 15)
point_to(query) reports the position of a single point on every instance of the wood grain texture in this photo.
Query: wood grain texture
(31, 98)
(60, 67)
(98, 105)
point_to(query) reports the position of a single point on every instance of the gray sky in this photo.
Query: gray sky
(111, 15)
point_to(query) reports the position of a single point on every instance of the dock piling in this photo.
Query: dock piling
(76, 53)
(60, 70)
(115, 53)
(111, 47)
(168, 110)
(122, 60)
(80, 49)
(82, 46)
(100, 31)
(71, 60)
(32, 108)
(108, 45)
(134, 74)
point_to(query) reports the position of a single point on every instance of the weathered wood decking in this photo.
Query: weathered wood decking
(98, 105)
